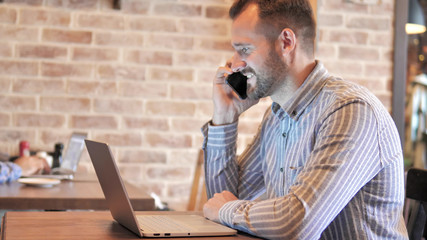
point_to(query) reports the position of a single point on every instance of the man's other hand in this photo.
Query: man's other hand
(211, 208)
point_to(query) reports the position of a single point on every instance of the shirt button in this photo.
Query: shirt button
(281, 169)
(284, 134)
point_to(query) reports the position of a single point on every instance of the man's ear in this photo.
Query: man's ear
(287, 41)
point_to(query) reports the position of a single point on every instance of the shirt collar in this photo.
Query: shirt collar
(304, 95)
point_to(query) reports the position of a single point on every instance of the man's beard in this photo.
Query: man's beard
(269, 77)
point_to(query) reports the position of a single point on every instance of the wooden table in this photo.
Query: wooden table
(74, 225)
(75, 194)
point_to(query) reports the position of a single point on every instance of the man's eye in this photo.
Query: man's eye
(245, 50)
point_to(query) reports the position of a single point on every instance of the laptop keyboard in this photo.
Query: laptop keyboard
(154, 223)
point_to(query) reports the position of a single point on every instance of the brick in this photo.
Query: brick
(204, 109)
(119, 39)
(358, 53)
(143, 89)
(378, 70)
(217, 12)
(50, 137)
(18, 33)
(213, 44)
(387, 55)
(110, 105)
(341, 68)
(192, 92)
(351, 37)
(183, 157)
(40, 51)
(73, 4)
(155, 187)
(177, 9)
(44, 17)
(179, 190)
(120, 139)
(38, 120)
(370, 83)
(384, 8)
(53, 136)
(330, 20)
(95, 54)
(67, 36)
(344, 6)
(248, 127)
(6, 50)
(66, 70)
(158, 124)
(5, 84)
(199, 59)
(205, 28)
(4, 120)
(148, 57)
(169, 173)
(45, 86)
(11, 135)
(198, 139)
(92, 88)
(17, 103)
(18, 68)
(369, 23)
(178, 205)
(60, 104)
(93, 122)
(169, 41)
(170, 74)
(385, 98)
(381, 39)
(152, 24)
(109, 22)
(326, 51)
(205, 76)
(25, 2)
(121, 72)
(135, 6)
(169, 108)
(189, 125)
(7, 15)
(142, 156)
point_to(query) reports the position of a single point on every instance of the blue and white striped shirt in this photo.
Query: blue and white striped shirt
(9, 172)
(330, 161)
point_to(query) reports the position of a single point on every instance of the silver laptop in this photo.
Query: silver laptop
(70, 159)
(171, 225)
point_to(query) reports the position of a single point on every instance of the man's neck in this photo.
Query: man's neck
(298, 73)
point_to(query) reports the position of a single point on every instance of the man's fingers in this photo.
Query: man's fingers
(221, 74)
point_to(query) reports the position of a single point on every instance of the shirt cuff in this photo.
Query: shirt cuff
(227, 211)
(220, 136)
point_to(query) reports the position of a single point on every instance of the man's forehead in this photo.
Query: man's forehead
(248, 17)
(243, 28)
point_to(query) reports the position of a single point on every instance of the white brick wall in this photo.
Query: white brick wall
(140, 78)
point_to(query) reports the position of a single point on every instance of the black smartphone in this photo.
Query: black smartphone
(238, 82)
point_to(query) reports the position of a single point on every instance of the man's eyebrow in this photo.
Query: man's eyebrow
(240, 44)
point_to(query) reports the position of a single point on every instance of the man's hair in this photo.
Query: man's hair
(279, 14)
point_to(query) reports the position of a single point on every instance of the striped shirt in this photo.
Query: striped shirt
(9, 172)
(330, 163)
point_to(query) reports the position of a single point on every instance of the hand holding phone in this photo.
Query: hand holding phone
(238, 82)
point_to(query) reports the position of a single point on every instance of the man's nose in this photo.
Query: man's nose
(237, 64)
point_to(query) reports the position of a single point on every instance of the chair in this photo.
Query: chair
(416, 189)
(198, 196)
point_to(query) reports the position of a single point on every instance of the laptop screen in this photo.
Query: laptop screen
(74, 151)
